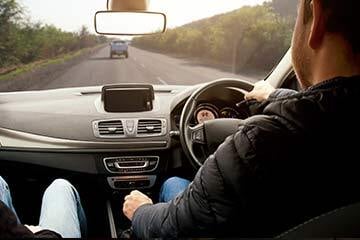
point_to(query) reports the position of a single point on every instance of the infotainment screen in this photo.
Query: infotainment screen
(128, 98)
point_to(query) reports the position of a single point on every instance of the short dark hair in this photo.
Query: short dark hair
(343, 17)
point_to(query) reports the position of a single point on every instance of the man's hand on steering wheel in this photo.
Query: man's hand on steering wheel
(261, 92)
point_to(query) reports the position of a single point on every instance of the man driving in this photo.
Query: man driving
(291, 162)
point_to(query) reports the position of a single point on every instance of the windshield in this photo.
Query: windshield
(52, 44)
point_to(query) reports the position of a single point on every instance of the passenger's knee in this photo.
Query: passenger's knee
(3, 183)
(61, 185)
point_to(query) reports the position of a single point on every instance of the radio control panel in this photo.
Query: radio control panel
(130, 164)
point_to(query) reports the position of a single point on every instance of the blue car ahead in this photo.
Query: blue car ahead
(119, 48)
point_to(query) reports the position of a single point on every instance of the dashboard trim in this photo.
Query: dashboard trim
(15, 139)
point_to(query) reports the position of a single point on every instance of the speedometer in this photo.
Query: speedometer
(205, 113)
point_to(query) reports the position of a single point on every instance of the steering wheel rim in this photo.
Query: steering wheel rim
(186, 132)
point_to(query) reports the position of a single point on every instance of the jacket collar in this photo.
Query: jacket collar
(336, 83)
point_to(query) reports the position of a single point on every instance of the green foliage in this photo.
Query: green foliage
(22, 42)
(250, 38)
(9, 13)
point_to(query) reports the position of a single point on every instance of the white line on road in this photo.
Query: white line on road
(143, 65)
(162, 81)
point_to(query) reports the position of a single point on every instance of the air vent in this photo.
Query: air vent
(129, 128)
(111, 128)
(149, 127)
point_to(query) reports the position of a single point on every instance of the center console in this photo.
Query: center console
(122, 185)
(131, 171)
(125, 172)
(135, 118)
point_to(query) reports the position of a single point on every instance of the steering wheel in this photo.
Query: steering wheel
(209, 134)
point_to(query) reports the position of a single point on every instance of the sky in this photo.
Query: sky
(70, 15)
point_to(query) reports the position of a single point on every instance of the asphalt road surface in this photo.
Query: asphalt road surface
(141, 67)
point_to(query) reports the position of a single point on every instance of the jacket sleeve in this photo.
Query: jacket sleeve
(205, 206)
(282, 93)
(255, 107)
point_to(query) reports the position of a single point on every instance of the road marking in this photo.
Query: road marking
(143, 65)
(162, 81)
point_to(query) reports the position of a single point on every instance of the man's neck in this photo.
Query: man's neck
(334, 60)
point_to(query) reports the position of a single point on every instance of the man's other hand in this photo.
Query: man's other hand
(261, 92)
(133, 201)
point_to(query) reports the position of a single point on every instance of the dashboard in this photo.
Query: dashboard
(69, 129)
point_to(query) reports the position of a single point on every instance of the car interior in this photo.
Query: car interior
(103, 152)
(110, 140)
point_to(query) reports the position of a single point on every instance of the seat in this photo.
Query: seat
(340, 223)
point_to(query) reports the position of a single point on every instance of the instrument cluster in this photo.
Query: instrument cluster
(207, 111)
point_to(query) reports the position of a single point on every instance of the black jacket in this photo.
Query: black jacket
(295, 161)
(9, 227)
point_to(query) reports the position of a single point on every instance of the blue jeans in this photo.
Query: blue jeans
(172, 188)
(61, 210)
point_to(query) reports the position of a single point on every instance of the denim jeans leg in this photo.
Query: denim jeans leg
(5, 196)
(172, 188)
(61, 210)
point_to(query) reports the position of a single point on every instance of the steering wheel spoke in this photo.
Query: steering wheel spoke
(197, 134)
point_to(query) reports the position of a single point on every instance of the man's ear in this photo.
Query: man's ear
(318, 29)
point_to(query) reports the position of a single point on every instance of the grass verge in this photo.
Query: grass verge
(42, 63)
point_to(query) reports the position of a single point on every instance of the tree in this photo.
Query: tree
(10, 12)
(22, 41)
(285, 8)
(250, 38)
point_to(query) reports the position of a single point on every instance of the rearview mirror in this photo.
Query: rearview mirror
(129, 23)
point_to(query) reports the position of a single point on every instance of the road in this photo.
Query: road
(141, 67)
